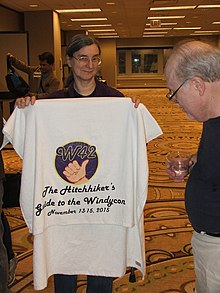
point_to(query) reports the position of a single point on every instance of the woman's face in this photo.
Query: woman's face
(85, 63)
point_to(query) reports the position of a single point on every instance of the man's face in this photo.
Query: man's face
(45, 68)
(187, 95)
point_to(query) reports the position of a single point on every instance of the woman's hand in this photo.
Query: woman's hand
(136, 101)
(25, 101)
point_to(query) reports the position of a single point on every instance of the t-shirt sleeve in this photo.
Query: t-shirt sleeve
(152, 128)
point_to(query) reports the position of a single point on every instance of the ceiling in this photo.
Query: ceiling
(128, 18)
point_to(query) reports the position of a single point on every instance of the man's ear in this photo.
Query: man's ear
(68, 61)
(199, 84)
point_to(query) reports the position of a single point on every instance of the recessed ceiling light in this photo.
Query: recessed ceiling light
(164, 23)
(79, 10)
(173, 8)
(95, 25)
(158, 29)
(166, 17)
(216, 22)
(153, 36)
(201, 34)
(107, 30)
(187, 28)
(107, 37)
(105, 34)
(168, 23)
(206, 32)
(154, 33)
(33, 5)
(209, 6)
(88, 19)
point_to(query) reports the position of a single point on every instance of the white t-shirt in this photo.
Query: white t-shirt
(84, 183)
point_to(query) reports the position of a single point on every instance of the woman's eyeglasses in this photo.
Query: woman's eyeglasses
(84, 60)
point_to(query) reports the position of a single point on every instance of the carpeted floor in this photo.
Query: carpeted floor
(168, 232)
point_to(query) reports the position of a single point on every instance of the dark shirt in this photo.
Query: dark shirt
(202, 196)
(101, 90)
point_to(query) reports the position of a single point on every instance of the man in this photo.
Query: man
(3, 252)
(42, 79)
(193, 76)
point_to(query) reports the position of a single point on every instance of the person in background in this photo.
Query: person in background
(193, 76)
(42, 79)
(3, 251)
(83, 58)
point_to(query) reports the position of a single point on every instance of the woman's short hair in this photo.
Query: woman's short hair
(78, 42)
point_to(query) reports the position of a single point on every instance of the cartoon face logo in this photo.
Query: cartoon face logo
(76, 162)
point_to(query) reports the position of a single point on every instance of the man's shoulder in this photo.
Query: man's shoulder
(52, 75)
(51, 78)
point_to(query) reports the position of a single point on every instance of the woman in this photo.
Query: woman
(83, 58)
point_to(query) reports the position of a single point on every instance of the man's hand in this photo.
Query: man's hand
(136, 101)
(173, 175)
(179, 177)
(25, 101)
(192, 161)
(10, 57)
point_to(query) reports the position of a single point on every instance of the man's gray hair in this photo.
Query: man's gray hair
(195, 58)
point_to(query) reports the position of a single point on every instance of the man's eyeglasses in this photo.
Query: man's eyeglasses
(84, 60)
(171, 94)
